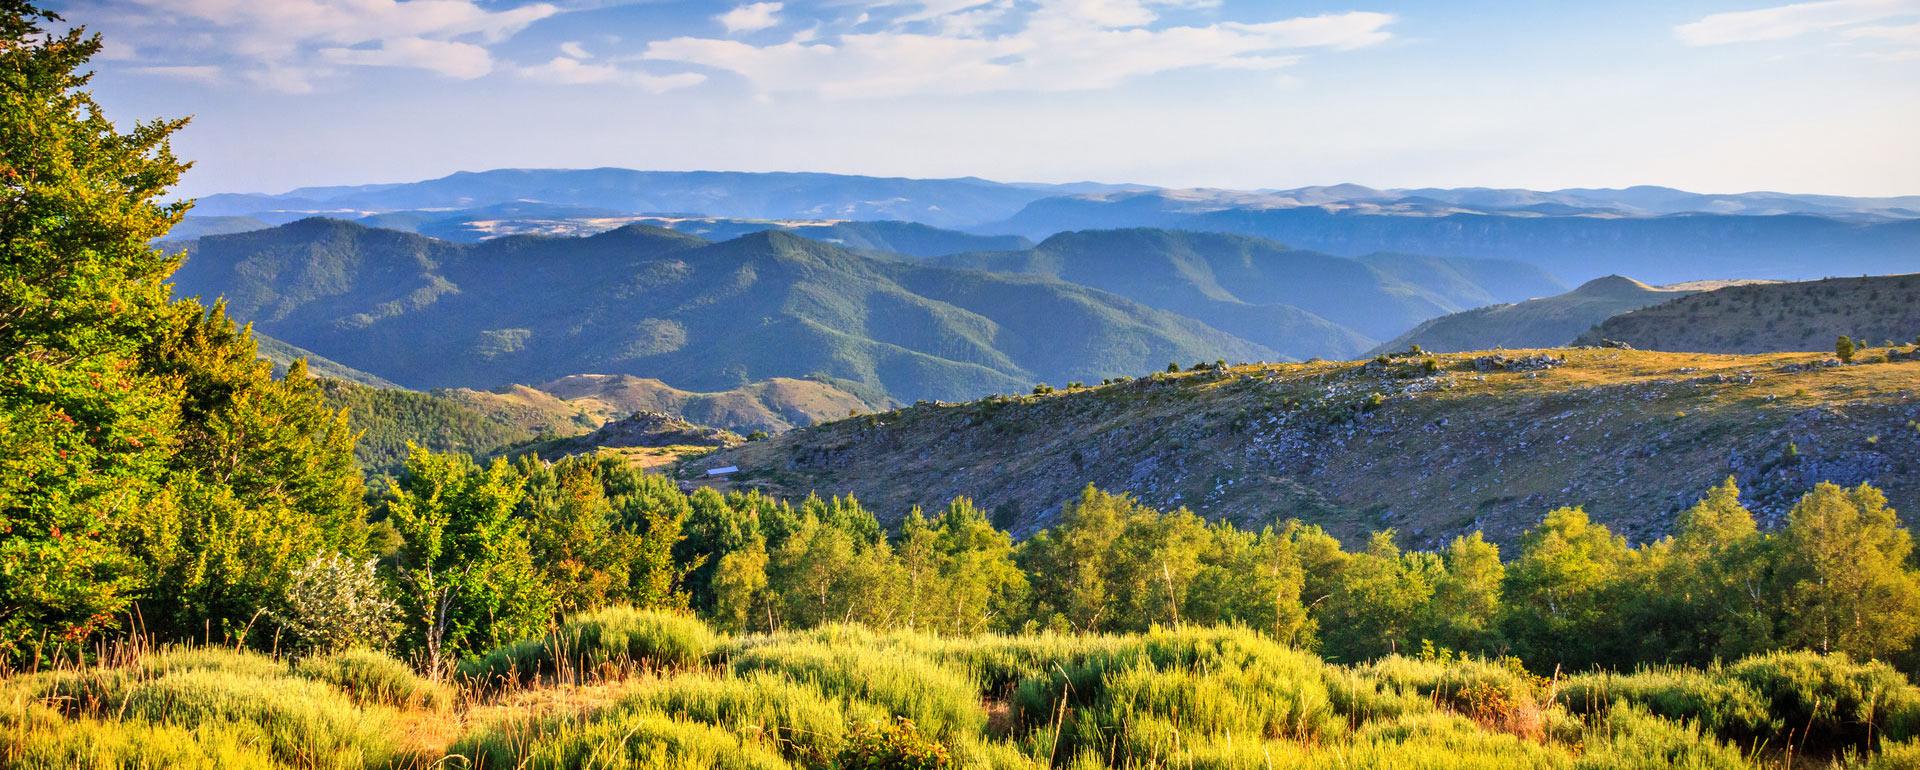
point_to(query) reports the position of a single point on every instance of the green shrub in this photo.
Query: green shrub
(894, 745)
(1832, 701)
(900, 682)
(612, 639)
(1712, 699)
(804, 724)
(627, 740)
(245, 698)
(1627, 738)
(372, 677)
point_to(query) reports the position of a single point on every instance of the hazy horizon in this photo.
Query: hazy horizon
(1707, 95)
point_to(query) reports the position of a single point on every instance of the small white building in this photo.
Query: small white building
(722, 471)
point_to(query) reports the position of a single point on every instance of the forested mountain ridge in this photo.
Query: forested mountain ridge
(1807, 315)
(1468, 441)
(1254, 288)
(652, 302)
(1575, 246)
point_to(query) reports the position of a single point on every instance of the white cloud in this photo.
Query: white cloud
(1906, 34)
(1064, 45)
(289, 44)
(1789, 21)
(465, 61)
(750, 18)
(567, 71)
(202, 73)
(574, 49)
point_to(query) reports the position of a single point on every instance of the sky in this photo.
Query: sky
(1711, 96)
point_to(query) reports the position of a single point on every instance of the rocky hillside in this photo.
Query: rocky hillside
(646, 439)
(1807, 315)
(1536, 323)
(1432, 447)
(592, 399)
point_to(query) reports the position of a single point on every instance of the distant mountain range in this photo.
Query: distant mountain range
(1657, 234)
(705, 316)
(1299, 302)
(776, 195)
(1780, 316)
(1578, 247)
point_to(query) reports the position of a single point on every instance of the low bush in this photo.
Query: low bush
(608, 640)
(1832, 701)
(1711, 699)
(624, 740)
(371, 677)
(937, 698)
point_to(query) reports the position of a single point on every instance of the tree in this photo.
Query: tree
(570, 531)
(334, 603)
(1253, 580)
(1844, 348)
(1844, 577)
(1708, 598)
(1376, 603)
(465, 573)
(1069, 564)
(982, 588)
(84, 433)
(1465, 610)
(1560, 590)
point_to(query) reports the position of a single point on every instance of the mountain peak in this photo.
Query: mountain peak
(1613, 285)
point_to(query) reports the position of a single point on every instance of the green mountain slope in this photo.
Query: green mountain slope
(1758, 318)
(1536, 323)
(283, 354)
(1298, 302)
(1477, 442)
(703, 316)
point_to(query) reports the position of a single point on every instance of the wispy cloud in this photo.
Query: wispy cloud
(203, 73)
(290, 44)
(568, 71)
(1060, 45)
(751, 18)
(1790, 21)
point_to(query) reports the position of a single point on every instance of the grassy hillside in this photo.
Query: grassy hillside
(1300, 303)
(653, 690)
(1536, 323)
(389, 419)
(1772, 317)
(649, 302)
(1472, 441)
(773, 405)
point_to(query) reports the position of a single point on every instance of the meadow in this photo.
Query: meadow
(624, 688)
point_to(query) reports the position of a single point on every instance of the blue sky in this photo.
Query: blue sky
(1715, 96)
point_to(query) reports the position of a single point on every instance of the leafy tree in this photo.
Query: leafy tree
(1069, 564)
(582, 556)
(1253, 580)
(1377, 602)
(1844, 348)
(465, 573)
(262, 480)
(1465, 610)
(982, 588)
(84, 433)
(739, 588)
(1560, 590)
(1846, 585)
(1708, 599)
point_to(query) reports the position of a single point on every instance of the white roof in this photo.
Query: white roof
(722, 471)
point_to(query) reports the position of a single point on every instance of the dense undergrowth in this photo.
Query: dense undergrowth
(622, 688)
